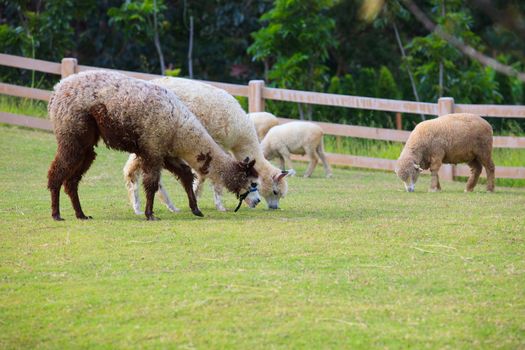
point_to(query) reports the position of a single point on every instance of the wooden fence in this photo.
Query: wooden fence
(257, 93)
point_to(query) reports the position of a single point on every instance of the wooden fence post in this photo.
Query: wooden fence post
(255, 96)
(68, 67)
(399, 121)
(445, 106)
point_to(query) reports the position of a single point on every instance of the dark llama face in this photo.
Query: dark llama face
(241, 176)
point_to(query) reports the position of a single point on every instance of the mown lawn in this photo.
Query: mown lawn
(349, 262)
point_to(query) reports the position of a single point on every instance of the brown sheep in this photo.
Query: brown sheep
(450, 139)
(138, 117)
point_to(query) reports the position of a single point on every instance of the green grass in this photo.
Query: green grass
(23, 106)
(349, 262)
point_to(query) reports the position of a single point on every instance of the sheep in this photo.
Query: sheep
(134, 116)
(263, 121)
(453, 138)
(230, 127)
(296, 138)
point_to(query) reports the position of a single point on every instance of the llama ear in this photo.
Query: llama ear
(251, 164)
(284, 174)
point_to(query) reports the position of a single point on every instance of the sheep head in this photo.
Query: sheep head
(408, 171)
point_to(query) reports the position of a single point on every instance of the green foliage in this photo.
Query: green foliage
(173, 72)
(295, 41)
(386, 85)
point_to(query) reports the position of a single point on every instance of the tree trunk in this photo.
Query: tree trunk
(409, 70)
(190, 50)
(156, 39)
(441, 68)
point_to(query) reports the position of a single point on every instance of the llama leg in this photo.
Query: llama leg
(151, 186)
(198, 185)
(313, 162)
(71, 184)
(475, 171)
(320, 152)
(166, 199)
(63, 167)
(132, 172)
(185, 175)
(217, 197)
(490, 168)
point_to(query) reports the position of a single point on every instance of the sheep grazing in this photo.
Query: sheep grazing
(452, 139)
(230, 127)
(296, 138)
(263, 122)
(139, 117)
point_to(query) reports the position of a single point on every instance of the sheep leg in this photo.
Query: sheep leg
(186, 177)
(475, 171)
(71, 184)
(313, 162)
(435, 186)
(490, 169)
(320, 152)
(285, 155)
(217, 197)
(281, 161)
(132, 171)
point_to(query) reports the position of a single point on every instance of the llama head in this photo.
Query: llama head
(243, 180)
(275, 188)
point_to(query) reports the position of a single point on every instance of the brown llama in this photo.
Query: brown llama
(138, 117)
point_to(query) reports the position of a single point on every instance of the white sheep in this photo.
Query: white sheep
(263, 121)
(228, 124)
(450, 139)
(134, 116)
(296, 138)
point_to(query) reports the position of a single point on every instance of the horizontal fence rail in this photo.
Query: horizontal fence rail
(257, 93)
(377, 104)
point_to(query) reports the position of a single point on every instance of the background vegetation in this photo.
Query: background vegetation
(338, 46)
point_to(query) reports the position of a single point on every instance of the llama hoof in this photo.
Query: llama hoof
(138, 212)
(152, 218)
(328, 176)
(434, 190)
(223, 209)
(57, 218)
(84, 217)
(197, 212)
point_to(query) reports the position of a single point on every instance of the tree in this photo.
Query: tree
(294, 44)
(140, 17)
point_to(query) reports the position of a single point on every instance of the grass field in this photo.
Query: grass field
(349, 262)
